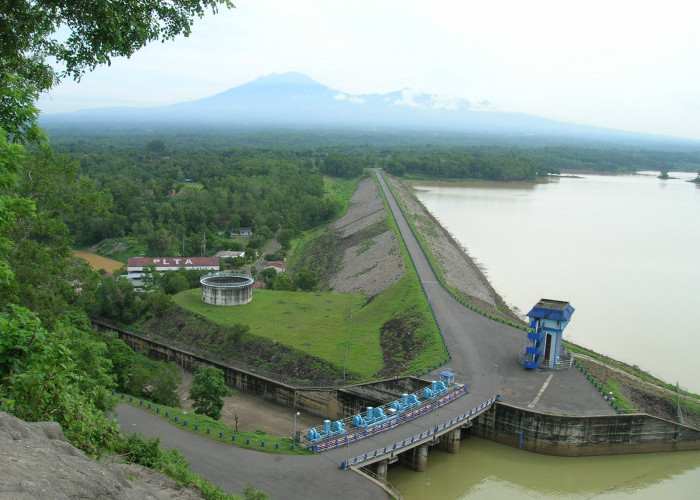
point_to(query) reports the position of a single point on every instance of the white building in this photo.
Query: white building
(136, 265)
(230, 254)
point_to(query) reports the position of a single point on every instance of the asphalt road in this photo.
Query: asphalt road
(282, 477)
(484, 352)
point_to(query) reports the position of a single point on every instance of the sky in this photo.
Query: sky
(628, 65)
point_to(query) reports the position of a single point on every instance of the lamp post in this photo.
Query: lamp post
(294, 434)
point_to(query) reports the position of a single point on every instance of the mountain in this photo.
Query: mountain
(293, 100)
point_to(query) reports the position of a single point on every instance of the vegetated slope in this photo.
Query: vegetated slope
(391, 333)
(360, 252)
(232, 345)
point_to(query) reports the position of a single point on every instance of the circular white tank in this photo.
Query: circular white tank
(226, 288)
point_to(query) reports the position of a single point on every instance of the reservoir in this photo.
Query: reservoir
(624, 250)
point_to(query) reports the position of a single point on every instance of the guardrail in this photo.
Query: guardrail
(385, 484)
(390, 423)
(419, 438)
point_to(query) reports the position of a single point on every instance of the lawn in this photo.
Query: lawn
(317, 323)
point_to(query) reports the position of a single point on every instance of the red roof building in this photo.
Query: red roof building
(135, 265)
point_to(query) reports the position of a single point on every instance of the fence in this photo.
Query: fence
(385, 484)
(419, 438)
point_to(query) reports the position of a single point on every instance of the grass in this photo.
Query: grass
(429, 228)
(121, 249)
(340, 190)
(200, 423)
(415, 302)
(317, 323)
(632, 370)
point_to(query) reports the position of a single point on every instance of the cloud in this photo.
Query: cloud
(415, 99)
(350, 98)
(408, 98)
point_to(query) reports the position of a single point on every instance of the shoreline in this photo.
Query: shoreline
(646, 392)
(459, 270)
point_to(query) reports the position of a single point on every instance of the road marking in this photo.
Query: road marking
(542, 389)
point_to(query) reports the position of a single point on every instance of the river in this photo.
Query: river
(624, 250)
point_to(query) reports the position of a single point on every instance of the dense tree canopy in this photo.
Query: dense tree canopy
(43, 40)
(171, 202)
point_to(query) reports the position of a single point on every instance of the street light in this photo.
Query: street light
(294, 434)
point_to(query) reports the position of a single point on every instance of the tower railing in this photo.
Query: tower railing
(566, 359)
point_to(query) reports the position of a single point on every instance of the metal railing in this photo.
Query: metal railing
(566, 360)
(419, 438)
(389, 423)
(385, 484)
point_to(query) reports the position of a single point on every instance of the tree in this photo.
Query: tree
(283, 282)
(208, 387)
(306, 279)
(79, 35)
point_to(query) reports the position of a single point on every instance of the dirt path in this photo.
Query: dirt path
(254, 413)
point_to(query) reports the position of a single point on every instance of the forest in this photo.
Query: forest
(170, 195)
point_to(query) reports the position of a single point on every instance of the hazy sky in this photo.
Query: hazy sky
(631, 65)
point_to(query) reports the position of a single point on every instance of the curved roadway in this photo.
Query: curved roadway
(483, 356)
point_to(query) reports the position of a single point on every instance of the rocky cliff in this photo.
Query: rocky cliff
(36, 462)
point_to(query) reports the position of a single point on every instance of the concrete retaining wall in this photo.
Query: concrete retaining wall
(332, 403)
(583, 435)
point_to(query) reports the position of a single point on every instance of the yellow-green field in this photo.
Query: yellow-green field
(316, 323)
(96, 262)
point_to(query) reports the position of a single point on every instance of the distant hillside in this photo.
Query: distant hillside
(293, 100)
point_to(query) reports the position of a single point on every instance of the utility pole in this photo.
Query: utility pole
(347, 343)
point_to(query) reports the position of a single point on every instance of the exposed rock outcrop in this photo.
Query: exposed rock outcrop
(36, 462)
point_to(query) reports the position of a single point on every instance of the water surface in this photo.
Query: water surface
(483, 469)
(624, 250)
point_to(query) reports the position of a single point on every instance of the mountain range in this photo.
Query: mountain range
(293, 100)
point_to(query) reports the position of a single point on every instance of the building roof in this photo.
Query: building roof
(278, 264)
(557, 310)
(173, 262)
(228, 254)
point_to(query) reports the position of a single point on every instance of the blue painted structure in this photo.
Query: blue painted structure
(548, 318)
(379, 419)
